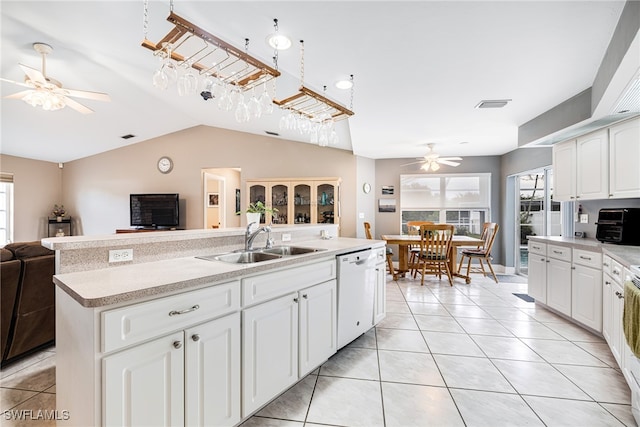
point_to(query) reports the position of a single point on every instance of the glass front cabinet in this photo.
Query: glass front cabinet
(298, 201)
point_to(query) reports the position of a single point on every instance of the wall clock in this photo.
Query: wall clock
(366, 187)
(165, 164)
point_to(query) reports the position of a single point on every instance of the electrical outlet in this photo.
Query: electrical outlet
(120, 255)
(584, 218)
(286, 237)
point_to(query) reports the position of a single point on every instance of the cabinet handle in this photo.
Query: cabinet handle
(304, 296)
(588, 258)
(606, 282)
(605, 264)
(619, 295)
(616, 272)
(186, 310)
(195, 337)
(295, 300)
(573, 268)
(177, 344)
(610, 195)
(557, 252)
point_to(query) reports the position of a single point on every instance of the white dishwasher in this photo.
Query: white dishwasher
(356, 294)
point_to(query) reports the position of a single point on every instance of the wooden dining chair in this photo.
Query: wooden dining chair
(413, 229)
(483, 253)
(367, 233)
(435, 242)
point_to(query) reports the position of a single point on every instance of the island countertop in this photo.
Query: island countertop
(626, 255)
(102, 287)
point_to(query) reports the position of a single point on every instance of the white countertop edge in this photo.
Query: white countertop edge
(99, 288)
(626, 255)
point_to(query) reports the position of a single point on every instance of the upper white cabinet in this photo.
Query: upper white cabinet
(581, 168)
(599, 165)
(624, 152)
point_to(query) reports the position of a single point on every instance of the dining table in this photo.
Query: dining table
(405, 241)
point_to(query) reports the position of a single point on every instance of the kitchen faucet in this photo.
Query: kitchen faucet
(249, 236)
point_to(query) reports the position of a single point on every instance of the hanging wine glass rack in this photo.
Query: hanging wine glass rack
(311, 104)
(192, 46)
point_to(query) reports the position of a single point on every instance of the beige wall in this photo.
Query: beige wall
(37, 187)
(97, 188)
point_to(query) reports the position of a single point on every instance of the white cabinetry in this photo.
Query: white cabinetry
(612, 307)
(581, 168)
(537, 276)
(559, 278)
(380, 304)
(586, 283)
(624, 152)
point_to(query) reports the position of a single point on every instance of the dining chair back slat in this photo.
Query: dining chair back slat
(435, 243)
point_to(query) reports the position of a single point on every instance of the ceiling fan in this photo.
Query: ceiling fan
(432, 160)
(47, 92)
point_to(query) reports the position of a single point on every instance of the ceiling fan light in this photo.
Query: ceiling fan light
(435, 166)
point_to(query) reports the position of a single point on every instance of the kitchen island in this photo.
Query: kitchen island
(183, 340)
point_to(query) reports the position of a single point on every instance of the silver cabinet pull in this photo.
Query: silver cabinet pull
(177, 344)
(186, 310)
(195, 337)
(588, 258)
(557, 252)
(295, 300)
(619, 295)
(305, 296)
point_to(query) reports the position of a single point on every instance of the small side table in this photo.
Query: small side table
(56, 227)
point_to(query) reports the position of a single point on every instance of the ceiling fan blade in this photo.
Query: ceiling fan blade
(451, 158)
(97, 96)
(15, 82)
(412, 163)
(77, 106)
(448, 163)
(19, 95)
(33, 74)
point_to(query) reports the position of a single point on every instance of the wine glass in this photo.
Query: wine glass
(254, 107)
(265, 101)
(242, 112)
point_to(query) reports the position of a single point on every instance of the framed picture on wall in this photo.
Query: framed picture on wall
(387, 190)
(213, 199)
(386, 205)
(237, 201)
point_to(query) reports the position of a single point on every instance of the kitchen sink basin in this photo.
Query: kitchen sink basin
(244, 257)
(290, 250)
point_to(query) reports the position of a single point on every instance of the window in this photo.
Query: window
(6, 208)
(459, 199)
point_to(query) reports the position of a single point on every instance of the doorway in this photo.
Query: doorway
(220, 195)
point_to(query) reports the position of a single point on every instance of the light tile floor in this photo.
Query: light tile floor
(467, 355)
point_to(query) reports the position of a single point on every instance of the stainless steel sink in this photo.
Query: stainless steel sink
(243, 257)
(290, 250)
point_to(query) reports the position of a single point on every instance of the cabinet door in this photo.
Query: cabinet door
(380, 300)
(144, 385)
(212, 372)
(592, 166)
(279, 199)
(564, 171)
(270, 350)
(537, 277)
(318, 325)
(607, 308)
(301, 202)
(617, 333)
(586, 296)
(559, 285)
(327, 202)
(624, 152)
(257, 192)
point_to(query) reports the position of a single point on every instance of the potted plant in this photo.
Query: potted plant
(58, 212)
(255, 210)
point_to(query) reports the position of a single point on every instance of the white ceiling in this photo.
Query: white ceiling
(420, 68)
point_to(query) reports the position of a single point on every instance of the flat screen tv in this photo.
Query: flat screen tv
(154, 210)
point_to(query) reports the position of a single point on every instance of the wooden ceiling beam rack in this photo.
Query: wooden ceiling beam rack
(310, 103)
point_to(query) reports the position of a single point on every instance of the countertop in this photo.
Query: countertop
(102, 287)
(625, 255)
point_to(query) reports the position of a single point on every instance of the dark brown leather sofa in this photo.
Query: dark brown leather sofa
(27, 299)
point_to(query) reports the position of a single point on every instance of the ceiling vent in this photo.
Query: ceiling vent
(492, 103)
(630, 101)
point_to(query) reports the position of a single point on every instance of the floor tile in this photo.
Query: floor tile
(505, 348)
(475, 326)
(539, 379)
(449, 343)
(482, 409)
(366, 340)
(602, 384)
(399, 321)
(407, 367)
(270, 422)
(10, 398)
(32, 412)
(530, 329)
(564, 352)
(621, 412)
(563, 412)
(434, 309)
(408, 405)
(402, 340)
(508, 313)
(353, 362)
(343, 401)
(472, 373)
(573, 332)
(438, 323)
(467, 311)
(36, 377)
(293, 404)
(600, 350)
(397, 307)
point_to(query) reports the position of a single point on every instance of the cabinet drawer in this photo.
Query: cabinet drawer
(380, 254)
(606, 264)
(271, 285)
(559, 252)
(135, 323)
(587, 258)
(616, 271)
(537, 248)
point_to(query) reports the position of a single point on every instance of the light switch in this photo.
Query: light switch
(584, 218)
